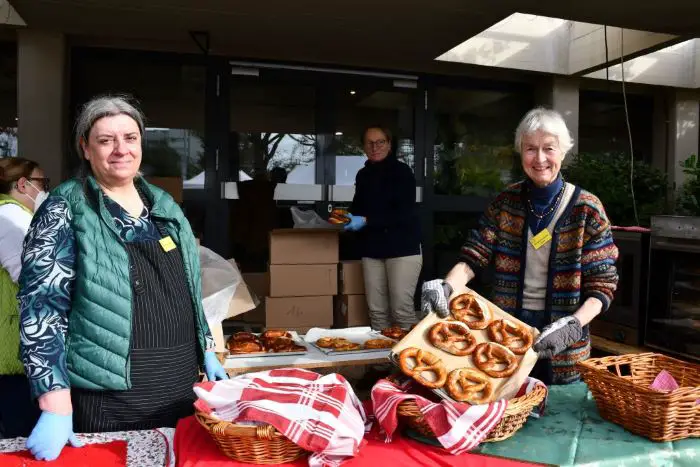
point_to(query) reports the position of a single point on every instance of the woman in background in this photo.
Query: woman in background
(23, 187)
(383, 213)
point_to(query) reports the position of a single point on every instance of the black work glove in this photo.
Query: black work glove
(558, 336)
(434, 295)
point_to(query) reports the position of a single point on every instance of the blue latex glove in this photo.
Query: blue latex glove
(213, 368)
(356, 223)
(50, 434)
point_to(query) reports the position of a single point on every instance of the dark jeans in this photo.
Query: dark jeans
(18, 412)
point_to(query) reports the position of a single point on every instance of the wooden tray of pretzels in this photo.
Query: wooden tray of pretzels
(266, 344)
(477, 355)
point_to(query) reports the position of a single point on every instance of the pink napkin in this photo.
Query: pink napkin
(664, 382)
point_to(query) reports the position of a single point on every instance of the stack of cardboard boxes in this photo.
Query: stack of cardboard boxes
(350, 304)
(301, 281)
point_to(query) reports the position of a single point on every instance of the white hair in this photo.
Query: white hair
(545, 120)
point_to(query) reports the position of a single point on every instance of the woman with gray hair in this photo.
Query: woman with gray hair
(551, 248)
(112, 326)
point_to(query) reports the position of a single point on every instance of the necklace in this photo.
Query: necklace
(547, 211)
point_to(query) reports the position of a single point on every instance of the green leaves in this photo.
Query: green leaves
(607, 175)
(688, 200)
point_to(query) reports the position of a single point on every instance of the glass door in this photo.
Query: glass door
(470, 129)
(294, 139)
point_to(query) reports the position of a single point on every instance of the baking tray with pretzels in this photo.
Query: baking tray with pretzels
(350, 340)
(297, 344)
(480, 353)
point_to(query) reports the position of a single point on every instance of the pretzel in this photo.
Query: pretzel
(272, 333)
(280, 343)
(448, 336)
(346, 346)
(379, 344)
(425, 362)
(465, 385)
(325, 342)
(466, 307)
(489, 356)
(243, 336)
(292, 348)
(514, 336)
(394, 332)
(238, 347)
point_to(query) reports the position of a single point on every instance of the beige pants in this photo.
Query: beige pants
(390, 285)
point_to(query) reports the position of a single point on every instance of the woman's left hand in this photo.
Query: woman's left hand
(213, 368)
(558, 336)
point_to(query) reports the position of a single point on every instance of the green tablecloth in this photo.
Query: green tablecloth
(572, 433)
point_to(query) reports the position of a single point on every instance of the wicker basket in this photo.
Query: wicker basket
(620, 386)
(514, 418)
(250, 444)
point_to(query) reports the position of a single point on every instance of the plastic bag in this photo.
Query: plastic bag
(309, 219)
(219, 282)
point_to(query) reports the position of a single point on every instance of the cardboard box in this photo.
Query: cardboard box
(350, 311)
(303, 246)
(352, 279)
(303, 280)
(259, 285)
(294, 312)
(173, 185)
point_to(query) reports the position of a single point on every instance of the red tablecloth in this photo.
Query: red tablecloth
(105, 455)
(194, 447)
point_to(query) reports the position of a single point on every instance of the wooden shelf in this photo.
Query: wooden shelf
(615, 348)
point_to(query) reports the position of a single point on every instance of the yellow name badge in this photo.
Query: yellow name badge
(167, 244)
(540, 239)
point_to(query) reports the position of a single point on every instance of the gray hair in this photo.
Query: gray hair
(100, 107)
(545, 120)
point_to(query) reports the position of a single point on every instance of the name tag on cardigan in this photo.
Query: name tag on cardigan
(540, 239)
(167, 244)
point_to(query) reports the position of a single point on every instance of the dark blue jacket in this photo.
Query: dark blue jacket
(385, 193)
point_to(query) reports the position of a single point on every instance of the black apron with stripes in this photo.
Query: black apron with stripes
(163, 355)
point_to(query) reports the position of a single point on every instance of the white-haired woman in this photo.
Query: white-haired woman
(551, 249)
(112, 326)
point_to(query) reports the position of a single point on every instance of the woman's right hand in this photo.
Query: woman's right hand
(434, 295)
(50, 434)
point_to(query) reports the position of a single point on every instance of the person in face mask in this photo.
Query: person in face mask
(23, 187)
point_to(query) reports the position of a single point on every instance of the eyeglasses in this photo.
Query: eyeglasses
(376, 144)
(44, 182)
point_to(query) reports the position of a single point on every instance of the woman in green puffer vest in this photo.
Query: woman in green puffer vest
(22, 189)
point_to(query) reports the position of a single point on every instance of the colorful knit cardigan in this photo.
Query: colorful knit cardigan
(581, 262)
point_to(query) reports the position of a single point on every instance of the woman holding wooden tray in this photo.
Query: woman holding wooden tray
(551, 248)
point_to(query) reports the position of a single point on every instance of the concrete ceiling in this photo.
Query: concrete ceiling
(390, 34)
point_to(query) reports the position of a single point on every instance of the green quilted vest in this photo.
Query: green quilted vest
(99, 324)
(10, 363)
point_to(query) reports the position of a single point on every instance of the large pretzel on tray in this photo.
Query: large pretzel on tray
(516, 337)
(467, 309)
(488, 356)
(425, 362)
(448, 336)
(465, 385)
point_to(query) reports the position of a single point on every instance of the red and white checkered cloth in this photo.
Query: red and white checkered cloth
(459, 427)
(321, 414)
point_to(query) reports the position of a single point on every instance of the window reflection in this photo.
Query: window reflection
(174, 152)
(272, 127)
(474, 152)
